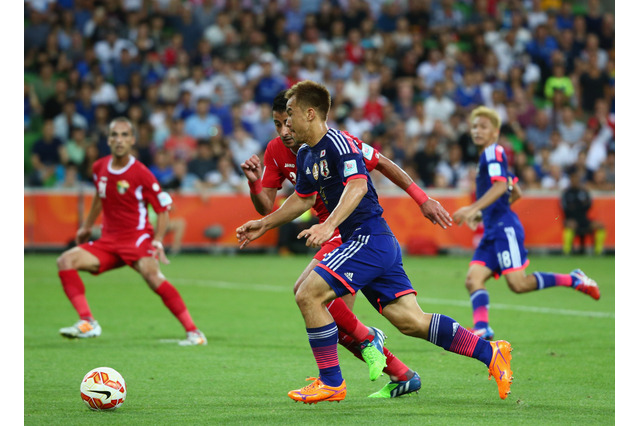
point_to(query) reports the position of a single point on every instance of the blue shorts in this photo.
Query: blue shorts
(502, 250)
(371, 263)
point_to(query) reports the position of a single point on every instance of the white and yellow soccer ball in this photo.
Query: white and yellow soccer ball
(103, 388)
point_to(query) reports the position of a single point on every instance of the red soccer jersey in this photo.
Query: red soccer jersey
(125, 194)
(280, 164)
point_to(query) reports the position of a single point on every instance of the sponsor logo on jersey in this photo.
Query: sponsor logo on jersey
(315, 171)
(308, 171)
(122, 186)
(349, 275)
(290, 165)
(324, 168)
(155, 186)
(350, 168)
(323, 153)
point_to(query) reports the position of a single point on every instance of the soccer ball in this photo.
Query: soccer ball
(103, 388)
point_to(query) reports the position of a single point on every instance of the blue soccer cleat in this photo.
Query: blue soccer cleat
(373, 353)
(399, 388)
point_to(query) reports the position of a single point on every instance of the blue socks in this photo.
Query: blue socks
(324, 344)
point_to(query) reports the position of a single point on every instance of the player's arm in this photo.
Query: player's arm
(83, 234)
(516, 191)
(293, 207)
(468, 213)
(262, 198)
(430, 208)
(160, 231)
(353, 193)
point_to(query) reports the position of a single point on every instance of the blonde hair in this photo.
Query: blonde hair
(490, 114)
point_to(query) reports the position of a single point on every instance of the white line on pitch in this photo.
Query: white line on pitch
(426, 300)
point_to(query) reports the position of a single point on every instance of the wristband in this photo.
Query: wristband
(417, 194)
(255, 187)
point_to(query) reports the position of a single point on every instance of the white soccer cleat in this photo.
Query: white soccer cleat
(82, 330)
(194, 338)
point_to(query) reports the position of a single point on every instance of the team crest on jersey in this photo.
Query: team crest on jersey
(315, 171)
(122, 186)
(324, 168)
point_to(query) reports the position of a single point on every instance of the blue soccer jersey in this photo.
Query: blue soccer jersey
(370, 258)
(326, 168)
(493, 167)
(502, 246)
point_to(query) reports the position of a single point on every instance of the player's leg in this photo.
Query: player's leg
(366, 343)
(395, 298)
(69, 263)
(354, 264)
(477, 276)
(512, 258)
(311, 297)
(482, 267)
(519, 282)
(443, 331)
(149, 269)
(177, 226)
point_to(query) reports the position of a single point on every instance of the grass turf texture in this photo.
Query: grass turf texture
(563, 358)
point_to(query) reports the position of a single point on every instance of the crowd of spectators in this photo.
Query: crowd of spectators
(197, 78)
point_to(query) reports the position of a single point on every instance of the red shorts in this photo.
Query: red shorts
(116, 252)
(328, 247)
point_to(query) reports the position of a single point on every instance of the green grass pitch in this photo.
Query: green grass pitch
(563, 357)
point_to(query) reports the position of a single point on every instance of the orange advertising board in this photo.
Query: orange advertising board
(51, 219)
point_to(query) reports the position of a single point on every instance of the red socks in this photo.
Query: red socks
(353, 332)
(172, 300)
(395, 368)
(347, 321)
(74, 289)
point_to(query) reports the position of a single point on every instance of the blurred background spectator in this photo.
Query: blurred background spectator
(197, 77)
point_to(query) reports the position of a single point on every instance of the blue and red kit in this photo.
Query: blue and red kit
(501, 248)
(369, 258)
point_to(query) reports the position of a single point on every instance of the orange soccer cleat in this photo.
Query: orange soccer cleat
(500, 366)
(318, 391)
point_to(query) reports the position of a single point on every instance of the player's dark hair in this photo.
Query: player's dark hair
(311, 94)
(280, 102)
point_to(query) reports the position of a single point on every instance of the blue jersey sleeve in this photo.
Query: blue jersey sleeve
(348, 158)
(304, 186)
(496, 164)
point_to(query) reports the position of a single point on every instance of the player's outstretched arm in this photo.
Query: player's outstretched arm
(293, 207)
(430, 208)
(468, 213)
(262, 198)
(353, 193)
(83, 234)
